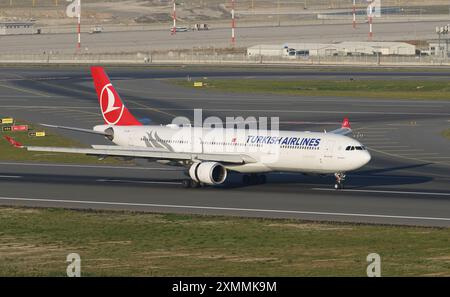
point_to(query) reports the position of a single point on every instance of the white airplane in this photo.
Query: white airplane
(208, 154)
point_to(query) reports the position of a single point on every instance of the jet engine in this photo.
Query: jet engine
(211, 173)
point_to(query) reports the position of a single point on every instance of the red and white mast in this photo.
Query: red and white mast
(370, 16)
(354, 14)
(233, 24)
(79, 24)
(174, 17)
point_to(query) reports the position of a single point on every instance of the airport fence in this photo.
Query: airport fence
(144, 58)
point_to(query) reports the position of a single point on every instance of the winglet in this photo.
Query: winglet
(346, 123)
(13, 142)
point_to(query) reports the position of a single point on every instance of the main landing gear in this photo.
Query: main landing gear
(254, 179)
(340, 178)
(190, 183)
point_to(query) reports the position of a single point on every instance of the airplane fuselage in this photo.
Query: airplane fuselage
(286, 151)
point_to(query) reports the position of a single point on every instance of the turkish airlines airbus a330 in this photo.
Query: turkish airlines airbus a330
(209, 154)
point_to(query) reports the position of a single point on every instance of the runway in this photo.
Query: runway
(407, 181)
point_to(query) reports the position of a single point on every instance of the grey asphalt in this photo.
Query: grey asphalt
(407, 181)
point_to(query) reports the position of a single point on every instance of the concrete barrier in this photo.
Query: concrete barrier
(218, 59)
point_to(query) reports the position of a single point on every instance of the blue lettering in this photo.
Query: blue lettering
(285, 141)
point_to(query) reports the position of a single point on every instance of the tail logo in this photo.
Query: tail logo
(112, 111)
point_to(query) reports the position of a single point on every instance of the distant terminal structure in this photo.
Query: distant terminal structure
(17, 28)
(333, 49)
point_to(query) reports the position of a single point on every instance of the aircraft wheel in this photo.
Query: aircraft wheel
(187, 183)
(338, 186)
(195, 184)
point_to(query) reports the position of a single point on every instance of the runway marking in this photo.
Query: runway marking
(226, 208)
(152, 109)
(391, 146)
(10, 176)
(375, 128)
(25, 90)
(138, 181)
(404, 125)
(311, 111)
(383, 191)
(404, 157)
(235, 110)
(89, 166)
(422, 155)
(397, 105)
(82, 111)
(406, 150)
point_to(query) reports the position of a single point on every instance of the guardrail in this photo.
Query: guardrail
(194, 58)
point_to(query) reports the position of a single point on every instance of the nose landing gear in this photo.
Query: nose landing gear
(340, 178)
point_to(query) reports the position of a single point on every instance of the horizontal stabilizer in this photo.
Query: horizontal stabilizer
(105, 133)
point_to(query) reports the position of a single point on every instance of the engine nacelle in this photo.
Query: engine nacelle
(211, 173)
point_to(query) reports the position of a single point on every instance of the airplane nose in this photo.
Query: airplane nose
(366, 157)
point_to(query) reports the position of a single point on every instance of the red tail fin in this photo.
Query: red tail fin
(346, 123)
(113, 110)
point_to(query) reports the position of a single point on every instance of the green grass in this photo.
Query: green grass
(35, 242)
(446, 133)
(10, 153)
(383, 89)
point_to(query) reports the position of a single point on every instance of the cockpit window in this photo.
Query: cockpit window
(352, 148)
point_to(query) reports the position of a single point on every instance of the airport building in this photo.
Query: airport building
(438, 49)
(333, 49)
(16, 28)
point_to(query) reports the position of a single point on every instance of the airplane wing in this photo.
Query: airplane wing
(135, 152)
(345, 128)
